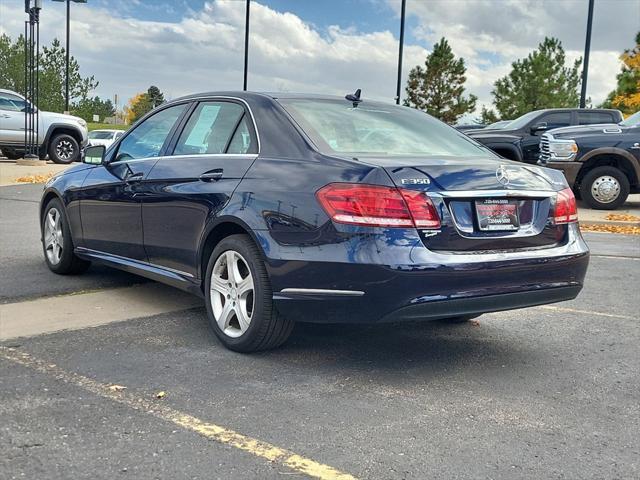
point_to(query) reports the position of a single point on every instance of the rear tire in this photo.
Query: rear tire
(604, 188)
(11, 154)
(57, 243)
(240, 307)
(64, 149)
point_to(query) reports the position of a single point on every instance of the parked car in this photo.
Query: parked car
(104, 137)
(520, 140)
(601, 162)
(285, 208)
(60, 136)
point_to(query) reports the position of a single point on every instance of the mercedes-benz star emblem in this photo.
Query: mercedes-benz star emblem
(502, 175)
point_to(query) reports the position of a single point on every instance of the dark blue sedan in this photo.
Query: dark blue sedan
(283, 208)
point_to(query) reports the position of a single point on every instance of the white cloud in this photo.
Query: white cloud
(203, 50)
(505, 30)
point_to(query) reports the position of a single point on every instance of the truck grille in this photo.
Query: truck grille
(544, 147)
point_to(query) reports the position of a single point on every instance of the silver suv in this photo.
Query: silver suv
(60, 136)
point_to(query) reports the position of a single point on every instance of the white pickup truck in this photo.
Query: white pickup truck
(60, 136)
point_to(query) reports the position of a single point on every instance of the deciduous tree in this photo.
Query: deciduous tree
(438, 88)
(626, 96)
(52, 73)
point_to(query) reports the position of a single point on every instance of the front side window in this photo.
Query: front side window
(215, 128)
(146, 139)
(556, 120)
(373, 128)
(11, 103)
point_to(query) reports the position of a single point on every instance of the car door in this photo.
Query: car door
(12, 118)
(531, 142)
(189, 186)
(110, 206)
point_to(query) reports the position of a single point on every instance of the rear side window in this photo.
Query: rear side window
(556, 120)
(147, 139)
(589, 118)
(215, 128)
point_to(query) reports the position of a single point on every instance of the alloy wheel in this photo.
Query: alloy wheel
(64, 149)
(53, 237)
(232, 293)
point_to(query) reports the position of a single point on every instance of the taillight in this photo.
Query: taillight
(566, 210)
(377, 206)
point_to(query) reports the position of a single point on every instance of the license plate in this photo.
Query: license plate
(496, 214)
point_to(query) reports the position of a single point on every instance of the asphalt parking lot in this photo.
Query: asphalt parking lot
(546, 392)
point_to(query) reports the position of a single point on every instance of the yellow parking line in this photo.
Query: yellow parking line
(586, 312)
(220, 434)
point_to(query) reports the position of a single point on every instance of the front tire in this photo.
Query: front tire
(64, 149)
(605, 188)
(57, 243)
(239, 299)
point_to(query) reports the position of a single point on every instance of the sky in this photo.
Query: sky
(320, 46)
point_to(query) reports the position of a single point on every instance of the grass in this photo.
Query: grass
(106, 126)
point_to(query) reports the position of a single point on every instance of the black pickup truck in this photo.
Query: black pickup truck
(520, 139)
(600, 162)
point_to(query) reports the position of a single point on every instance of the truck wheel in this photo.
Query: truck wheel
(64, 149)
(11, 154)
(604, 188)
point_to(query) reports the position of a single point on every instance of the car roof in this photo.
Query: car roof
(570, 109)
(246, 95)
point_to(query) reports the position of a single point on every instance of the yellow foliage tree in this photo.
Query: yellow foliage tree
(138, 105)
(626, 96)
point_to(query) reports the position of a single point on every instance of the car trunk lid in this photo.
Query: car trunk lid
(484, 204)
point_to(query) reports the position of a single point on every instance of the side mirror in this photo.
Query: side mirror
(538, 127)
(94, 155)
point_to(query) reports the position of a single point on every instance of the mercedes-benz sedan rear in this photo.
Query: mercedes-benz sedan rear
(285, 208)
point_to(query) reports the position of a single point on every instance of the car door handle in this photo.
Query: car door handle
(212, 175)
(134, 177)
(4, 115)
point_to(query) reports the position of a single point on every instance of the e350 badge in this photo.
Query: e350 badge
(415, 181)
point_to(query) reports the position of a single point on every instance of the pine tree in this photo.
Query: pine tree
(539, 81)
(438, 88)
(155, 96)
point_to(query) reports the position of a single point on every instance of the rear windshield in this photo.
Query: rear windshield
(100, 135)
(337, 127)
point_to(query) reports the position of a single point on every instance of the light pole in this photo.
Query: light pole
(246, 45)
(66, 75)
(587, 47)
(400, 47)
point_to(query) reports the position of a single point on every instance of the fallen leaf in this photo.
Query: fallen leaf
(475, 322)
(624, 230)
(622, 217)
(35, 178)
(117, 388)
(161, 394)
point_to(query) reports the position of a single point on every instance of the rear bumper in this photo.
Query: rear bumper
(449, 285)
(485, 304)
